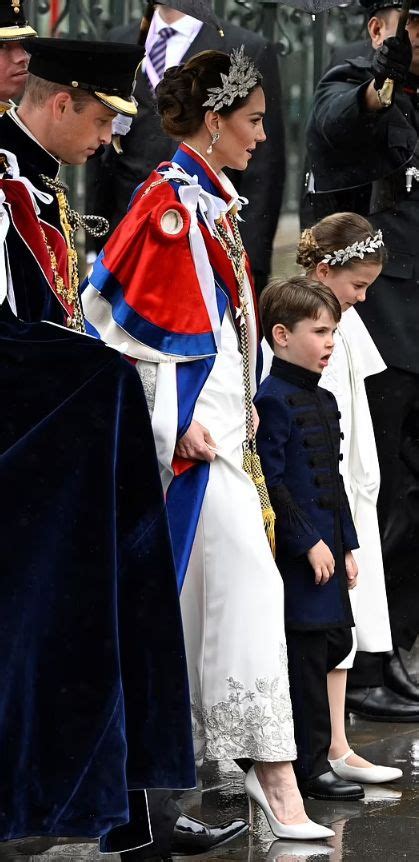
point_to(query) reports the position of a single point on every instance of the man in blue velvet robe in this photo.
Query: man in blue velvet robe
(94, 699)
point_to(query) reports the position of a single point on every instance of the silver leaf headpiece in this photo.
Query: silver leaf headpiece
(358, 249)
(241, 79)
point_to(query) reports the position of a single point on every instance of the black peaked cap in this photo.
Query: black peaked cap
(13, 23)
(374, 6)
(107, 70)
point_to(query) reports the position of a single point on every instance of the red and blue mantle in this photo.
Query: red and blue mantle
(149, 279)
(148, 276)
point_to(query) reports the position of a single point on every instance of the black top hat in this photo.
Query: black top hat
(105, 69)
(13, 23)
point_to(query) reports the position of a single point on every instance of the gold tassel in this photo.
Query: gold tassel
(253, 467)
(268, 513)
(269, 518)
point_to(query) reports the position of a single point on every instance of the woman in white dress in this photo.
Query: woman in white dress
(172, 289)
(343, 252)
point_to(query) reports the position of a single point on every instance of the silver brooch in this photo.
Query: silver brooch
(358, 249)
(241, 79)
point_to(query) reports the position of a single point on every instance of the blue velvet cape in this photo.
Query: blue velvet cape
(94, 697)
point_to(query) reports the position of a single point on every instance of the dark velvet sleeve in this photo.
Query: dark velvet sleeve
(296, 533)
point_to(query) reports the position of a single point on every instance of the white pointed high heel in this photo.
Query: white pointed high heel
(364, 774)
(300, 831)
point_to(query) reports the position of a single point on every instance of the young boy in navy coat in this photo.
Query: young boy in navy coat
(299, 440)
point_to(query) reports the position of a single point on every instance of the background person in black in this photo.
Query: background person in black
(356, 143)
(112, 178)
(382, 23)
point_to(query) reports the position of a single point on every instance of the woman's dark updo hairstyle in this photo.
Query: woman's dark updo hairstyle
(183, 90)
(333, 233)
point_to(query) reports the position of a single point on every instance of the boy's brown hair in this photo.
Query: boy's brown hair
(296, 299)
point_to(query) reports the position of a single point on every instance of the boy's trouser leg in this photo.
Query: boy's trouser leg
(310, 658)
(339, 644)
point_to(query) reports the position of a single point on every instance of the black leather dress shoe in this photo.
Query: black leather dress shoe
(330, 786)
(190, 836)
(397, 678)
(381, 704)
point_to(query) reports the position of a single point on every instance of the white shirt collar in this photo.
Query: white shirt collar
(15, 116)
(187, 26)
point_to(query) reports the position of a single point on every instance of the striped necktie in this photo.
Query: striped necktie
(157, 54)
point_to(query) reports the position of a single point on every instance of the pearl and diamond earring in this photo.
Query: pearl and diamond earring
(215, 138)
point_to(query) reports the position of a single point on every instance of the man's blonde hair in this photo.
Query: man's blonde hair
(38, 91)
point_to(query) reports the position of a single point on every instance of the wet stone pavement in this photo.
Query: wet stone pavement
(384, 827)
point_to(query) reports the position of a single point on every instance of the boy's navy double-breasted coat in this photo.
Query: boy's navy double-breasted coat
(299, 440)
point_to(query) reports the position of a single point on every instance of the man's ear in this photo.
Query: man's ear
(280, 335)
(61, 104)
(375, 29)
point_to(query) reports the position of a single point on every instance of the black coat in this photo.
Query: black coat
(35, 300)
(349, 146)
(353, 149)
(113, 178)
(314, 207)
(343, 53)
(298, 441)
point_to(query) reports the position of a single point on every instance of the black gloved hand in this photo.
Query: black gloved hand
(392, 60)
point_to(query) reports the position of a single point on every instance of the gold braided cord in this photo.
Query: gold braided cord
(233, 246)
(77, 321)
(70, 294)
(96, 226)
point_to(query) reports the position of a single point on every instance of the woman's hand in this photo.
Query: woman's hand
(195, 443)
(322, 561)
(351, 569)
